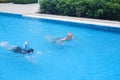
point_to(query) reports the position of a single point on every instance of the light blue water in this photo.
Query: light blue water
(95, 55)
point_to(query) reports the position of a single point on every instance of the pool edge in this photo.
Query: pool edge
(98, 22)
(115, 24)
(103, 27)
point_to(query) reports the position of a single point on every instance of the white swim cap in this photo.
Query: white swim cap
(26, 42)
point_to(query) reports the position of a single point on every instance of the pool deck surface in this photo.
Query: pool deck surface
(32, 9)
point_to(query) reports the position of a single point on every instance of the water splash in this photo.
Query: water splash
(6, 45)
(3, 44)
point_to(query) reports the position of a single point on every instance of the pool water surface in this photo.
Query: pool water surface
(92, 55)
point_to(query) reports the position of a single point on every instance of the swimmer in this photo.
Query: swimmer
(67, 38)
(20, 50)
(17, 49)
(26, 48)
(60, 40)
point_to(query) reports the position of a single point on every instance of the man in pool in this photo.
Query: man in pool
(20, 50)
(24, 50)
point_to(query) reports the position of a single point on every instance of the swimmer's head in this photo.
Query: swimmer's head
(69, 34)
(26, 42)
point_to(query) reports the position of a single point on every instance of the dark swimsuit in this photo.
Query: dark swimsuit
(20, 50)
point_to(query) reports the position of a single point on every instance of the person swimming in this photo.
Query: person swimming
(68, 37)
(17, 49)
(60, 40)
(20, 50)
(26, 48)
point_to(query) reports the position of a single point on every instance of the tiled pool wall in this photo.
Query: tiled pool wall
(68, 23)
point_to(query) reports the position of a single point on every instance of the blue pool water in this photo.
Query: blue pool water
(93, 55)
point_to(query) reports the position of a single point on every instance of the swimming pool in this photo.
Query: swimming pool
(94, 55)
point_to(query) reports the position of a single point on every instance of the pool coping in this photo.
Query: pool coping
(30, 10)
(105, 23)
(114, 24)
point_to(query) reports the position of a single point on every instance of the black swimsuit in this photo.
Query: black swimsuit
(20, 50)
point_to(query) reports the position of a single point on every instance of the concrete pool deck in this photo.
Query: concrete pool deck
(32, 9)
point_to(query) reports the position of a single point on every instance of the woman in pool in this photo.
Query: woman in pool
(60, 41)
(67, 38)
